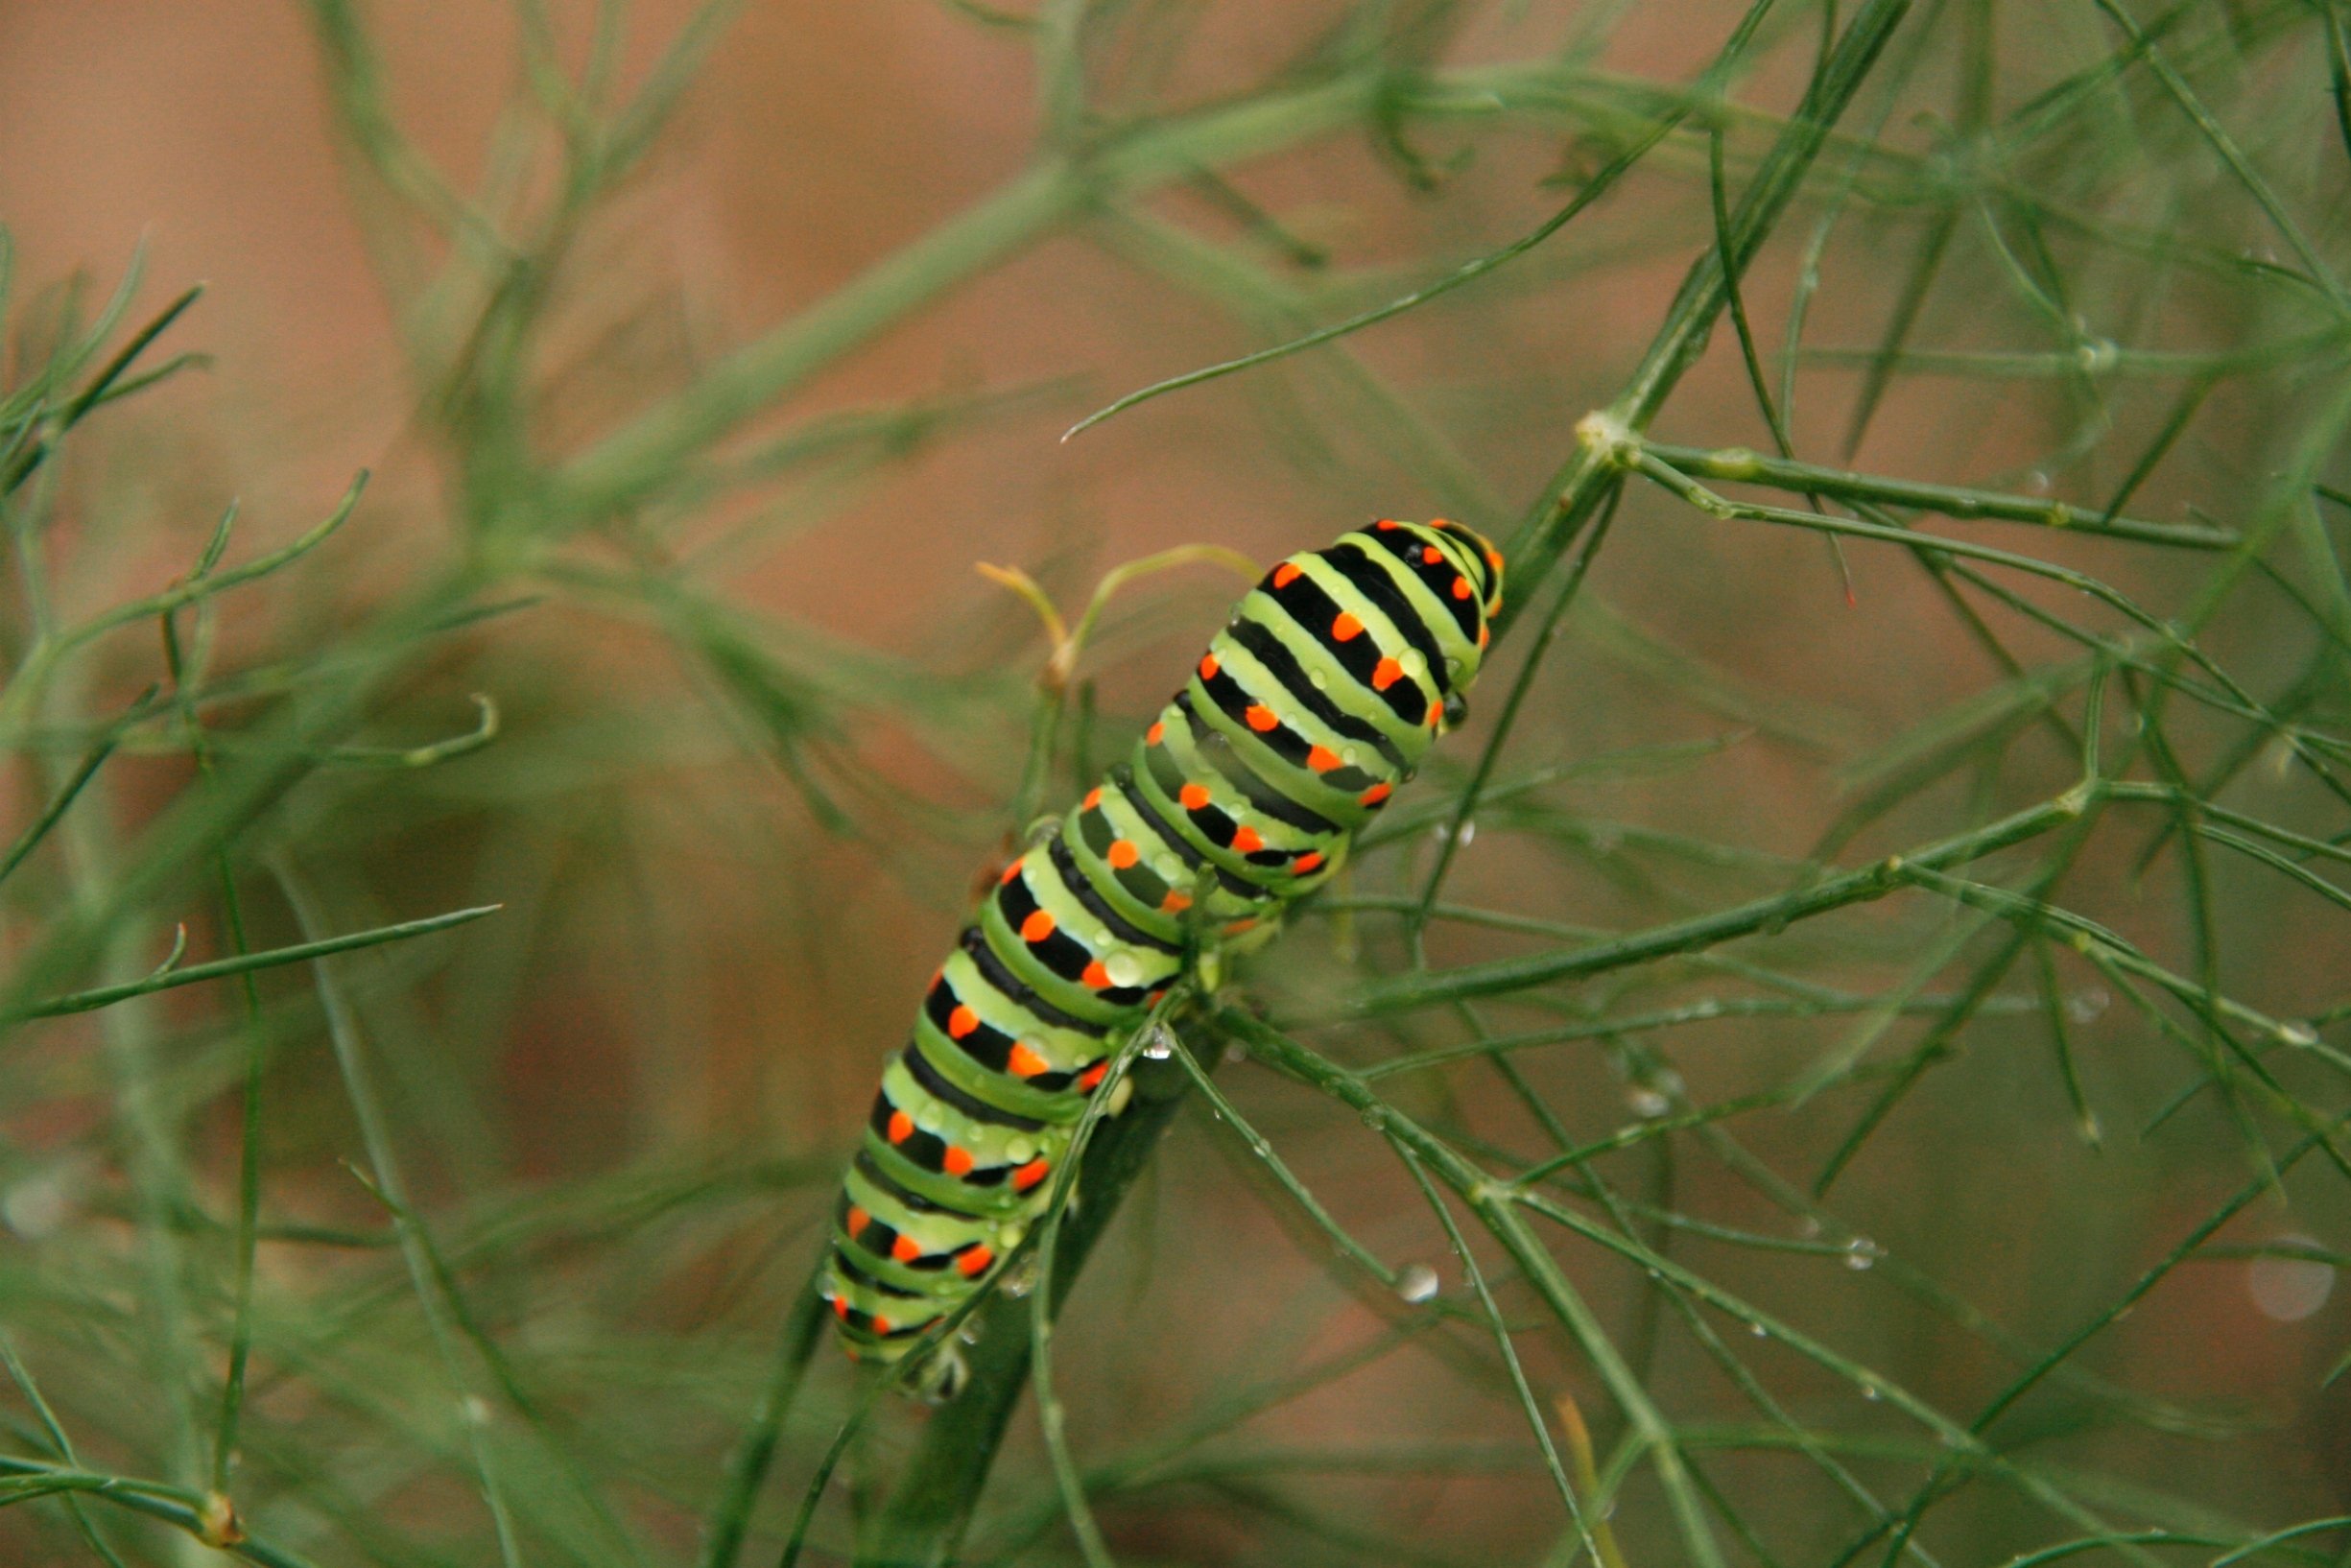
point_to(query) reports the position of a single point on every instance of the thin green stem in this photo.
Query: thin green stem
(272, 957)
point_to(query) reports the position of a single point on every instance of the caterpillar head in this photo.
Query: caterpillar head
(1480, 566)
(1478, 554)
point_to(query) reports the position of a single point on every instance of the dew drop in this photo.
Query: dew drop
(1861, 1253)
(1648, 1103)
(1020, 1150)
(1872, 1392)
(1417, 1283)
(2286, 1290)
(2298, 1034)
(1170, 870)
(2088, 1004)
(475, 1409)
(37, 1208)
(1123, 968)
(1349, 755)
(1159, 1045)
(2036, 483)
(1317, 680)
(1759, 1331)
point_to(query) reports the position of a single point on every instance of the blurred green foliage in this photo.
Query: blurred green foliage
(1798, 1082)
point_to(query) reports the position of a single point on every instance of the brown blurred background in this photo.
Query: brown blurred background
(690, 967)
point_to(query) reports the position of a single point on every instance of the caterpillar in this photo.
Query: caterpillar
(1319, 696)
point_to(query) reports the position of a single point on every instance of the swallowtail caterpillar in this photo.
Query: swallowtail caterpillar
(1317, 700)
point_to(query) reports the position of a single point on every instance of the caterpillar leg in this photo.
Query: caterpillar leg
(1121, 1095)
(942, 1375)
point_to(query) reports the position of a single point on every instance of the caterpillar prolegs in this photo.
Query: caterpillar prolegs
(1315, 701)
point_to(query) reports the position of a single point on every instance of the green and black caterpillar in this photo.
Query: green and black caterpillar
(1315, 701)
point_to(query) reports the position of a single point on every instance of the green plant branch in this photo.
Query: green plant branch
(185, 1510)
(1380, 997)
(383, 1177)
(1499, 1329)
(55, 1431)
(243, 964)
(1740, 465)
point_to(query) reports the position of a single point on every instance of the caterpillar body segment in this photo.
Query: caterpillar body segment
(1318, 697)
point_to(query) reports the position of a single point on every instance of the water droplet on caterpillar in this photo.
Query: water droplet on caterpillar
(1123, 968)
